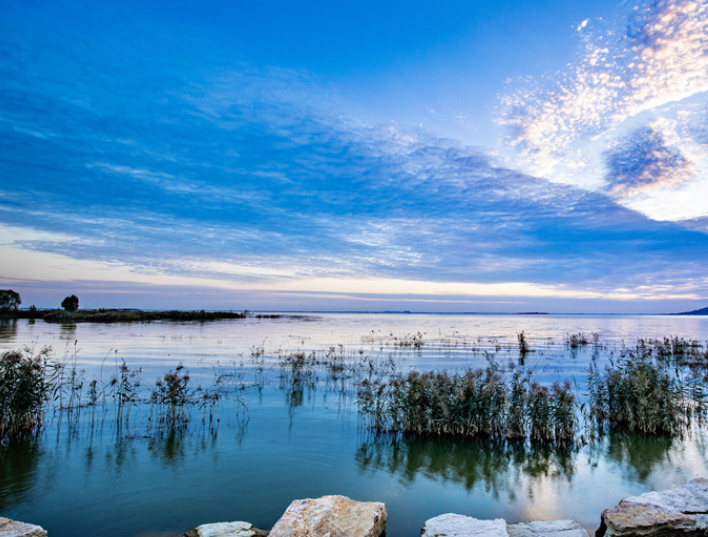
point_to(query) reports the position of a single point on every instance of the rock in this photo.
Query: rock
(690, 498)
(331, 516)
(451, 525)
(682, 511)
(12, 528)
(547, 528)
(226, 529)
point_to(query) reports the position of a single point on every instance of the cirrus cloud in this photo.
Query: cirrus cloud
(641, 83)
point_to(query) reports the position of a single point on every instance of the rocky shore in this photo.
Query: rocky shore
(682, 511)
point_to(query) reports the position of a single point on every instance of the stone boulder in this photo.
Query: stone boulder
(331, 516)
(547, 528)
(682, 511)
(226, 529)
(452, 525)
(13, 528)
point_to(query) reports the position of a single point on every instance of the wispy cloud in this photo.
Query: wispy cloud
(645, 74)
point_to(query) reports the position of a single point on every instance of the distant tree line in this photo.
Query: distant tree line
(69, 312)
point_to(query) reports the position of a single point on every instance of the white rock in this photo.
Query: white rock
(224, 529)
(331, 516)
(690, 498)
(680, 511)
(547, 528)
(452, 525)
(12, 528)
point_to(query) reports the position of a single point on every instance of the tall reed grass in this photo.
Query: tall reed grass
(26, 384)
(476, 403)
(640, 393)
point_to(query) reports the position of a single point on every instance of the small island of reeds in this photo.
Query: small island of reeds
(128, 315)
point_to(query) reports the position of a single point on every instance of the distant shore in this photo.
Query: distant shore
(130, 315)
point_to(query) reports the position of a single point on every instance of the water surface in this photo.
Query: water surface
(91, 478)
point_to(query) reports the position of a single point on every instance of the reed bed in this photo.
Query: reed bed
(476, 403)
(657, 387)
(26, 382)
(32, 385)
(643, 391)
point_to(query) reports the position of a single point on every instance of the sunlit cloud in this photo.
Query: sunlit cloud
(646, 75)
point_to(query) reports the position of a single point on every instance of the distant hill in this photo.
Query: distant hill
(702, 311)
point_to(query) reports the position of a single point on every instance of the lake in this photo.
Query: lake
(272, 444)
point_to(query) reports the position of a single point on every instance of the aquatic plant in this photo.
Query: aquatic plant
(124, 387)
(476, 403)
(171, 392)
(524, 348)
(676, 351)
(637, 395)
(26, 383)
(409, 340)
(516, 414)
(576, 340)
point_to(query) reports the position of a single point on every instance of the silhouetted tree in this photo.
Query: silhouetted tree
(9, 299)
(70, 303)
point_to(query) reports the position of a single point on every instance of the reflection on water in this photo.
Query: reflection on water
(8, 329)
(18, 467)
(639, 455)
(300, 436)
(495, 466)
(262, 464)
(67, 331)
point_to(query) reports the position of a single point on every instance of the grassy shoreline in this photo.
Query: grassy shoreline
(130, 315)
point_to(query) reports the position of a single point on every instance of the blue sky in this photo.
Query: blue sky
(426, 155)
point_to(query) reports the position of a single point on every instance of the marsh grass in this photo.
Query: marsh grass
(31, 385)
(575, 341)
(524, 348)
(657, 387)
(677, 352)
(26, 381)
(641, 392)
(475, 404)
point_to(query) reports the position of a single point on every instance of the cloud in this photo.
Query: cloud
(155, 171)
(646, 74)
(644, 162)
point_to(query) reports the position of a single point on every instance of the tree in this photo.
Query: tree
(70, 303)
(9, 299)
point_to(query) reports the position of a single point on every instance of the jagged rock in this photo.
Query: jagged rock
(547, 528)
(682, 511)
(452, 525)
(331, 516)
(13, 528)
(226, 529)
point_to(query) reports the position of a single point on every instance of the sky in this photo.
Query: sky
(459, 156)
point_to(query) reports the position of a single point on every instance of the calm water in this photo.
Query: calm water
(95, 480)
